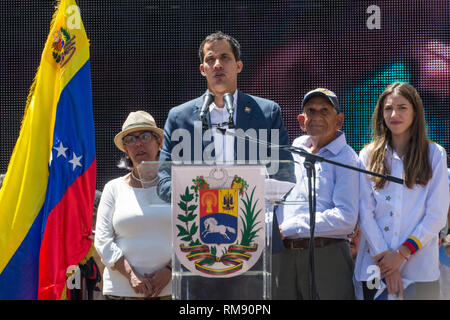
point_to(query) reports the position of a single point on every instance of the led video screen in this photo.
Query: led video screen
(144, 56)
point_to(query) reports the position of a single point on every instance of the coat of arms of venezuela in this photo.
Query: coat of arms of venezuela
(218, 218)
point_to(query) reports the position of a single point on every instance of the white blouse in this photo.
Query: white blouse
(395, 214)
(135, 223)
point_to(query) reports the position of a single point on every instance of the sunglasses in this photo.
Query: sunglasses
(145, 137)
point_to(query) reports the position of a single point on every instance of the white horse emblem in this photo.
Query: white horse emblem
(211, 226)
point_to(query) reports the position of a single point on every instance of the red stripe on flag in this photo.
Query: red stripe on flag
(66, 238)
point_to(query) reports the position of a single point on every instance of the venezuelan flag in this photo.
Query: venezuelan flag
(47, 197)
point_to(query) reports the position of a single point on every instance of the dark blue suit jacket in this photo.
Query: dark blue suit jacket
(251, 113)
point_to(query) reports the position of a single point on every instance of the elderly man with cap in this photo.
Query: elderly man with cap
(337, 191)
(133, 229)
(185, 139)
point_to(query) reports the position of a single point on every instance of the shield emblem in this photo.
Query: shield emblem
(218, 215)
(218, 218)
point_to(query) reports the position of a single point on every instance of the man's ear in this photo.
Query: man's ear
(202, 71)
(301, 121)
(240, 66)
(339, 121)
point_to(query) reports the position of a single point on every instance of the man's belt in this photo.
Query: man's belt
(304, 243)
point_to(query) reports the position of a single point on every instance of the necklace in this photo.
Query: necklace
(142, 181)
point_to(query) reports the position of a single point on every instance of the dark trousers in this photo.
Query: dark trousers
(333, 273)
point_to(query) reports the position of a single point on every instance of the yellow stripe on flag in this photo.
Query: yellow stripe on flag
(25, 184)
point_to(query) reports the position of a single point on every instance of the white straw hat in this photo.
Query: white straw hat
(136, 121)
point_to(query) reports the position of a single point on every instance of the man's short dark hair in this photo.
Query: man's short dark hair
(219, 35)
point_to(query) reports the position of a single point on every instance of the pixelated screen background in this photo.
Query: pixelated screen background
(144, 56)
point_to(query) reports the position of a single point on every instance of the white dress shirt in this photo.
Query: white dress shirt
(394, 214)
(135, 223)
(337, 190)
(223, 144)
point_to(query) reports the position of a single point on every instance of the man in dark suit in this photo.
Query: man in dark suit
(186, 138)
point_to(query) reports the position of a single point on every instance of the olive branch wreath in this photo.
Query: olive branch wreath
(57, 54)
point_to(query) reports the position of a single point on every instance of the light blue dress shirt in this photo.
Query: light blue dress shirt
(337, 190)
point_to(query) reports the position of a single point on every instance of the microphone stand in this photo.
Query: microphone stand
(309, 164)
(231, 122)
(205, 124)
(219, 126)
(303, 153)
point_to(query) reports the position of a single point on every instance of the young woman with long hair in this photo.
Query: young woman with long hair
(400, 223)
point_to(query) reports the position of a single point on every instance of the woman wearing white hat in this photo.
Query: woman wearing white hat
(133, 230)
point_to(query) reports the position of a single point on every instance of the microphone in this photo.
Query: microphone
(207, 100)
(228, 99)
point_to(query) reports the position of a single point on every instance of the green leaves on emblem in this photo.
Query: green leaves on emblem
(65, 34)
(249, 222)
(187, 197)
(185, 231)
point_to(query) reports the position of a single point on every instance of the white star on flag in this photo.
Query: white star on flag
(75, 161)
(61, 150)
